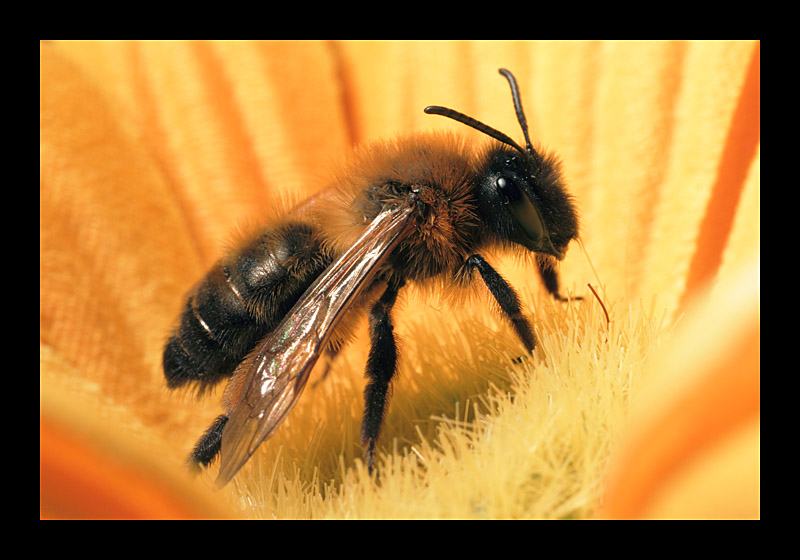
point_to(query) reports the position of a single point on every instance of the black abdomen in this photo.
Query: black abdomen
(239, 301)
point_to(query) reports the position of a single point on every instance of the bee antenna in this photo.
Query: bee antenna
(476, 124)
(523, 122)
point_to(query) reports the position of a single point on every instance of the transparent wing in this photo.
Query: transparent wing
(278, 370)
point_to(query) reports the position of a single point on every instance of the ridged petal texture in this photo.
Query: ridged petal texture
(152, 154)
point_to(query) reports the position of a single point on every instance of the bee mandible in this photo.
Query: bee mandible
(414, 210)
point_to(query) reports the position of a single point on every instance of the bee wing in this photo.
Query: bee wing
(278, 370)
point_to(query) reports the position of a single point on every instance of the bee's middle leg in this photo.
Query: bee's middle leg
(381, 367)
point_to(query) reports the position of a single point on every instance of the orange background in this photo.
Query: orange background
(152, 152)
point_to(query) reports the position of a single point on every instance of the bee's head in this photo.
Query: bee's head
(521, 197)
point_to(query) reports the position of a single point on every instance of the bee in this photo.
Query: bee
(414, 210)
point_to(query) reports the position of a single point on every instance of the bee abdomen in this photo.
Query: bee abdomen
(239, 301)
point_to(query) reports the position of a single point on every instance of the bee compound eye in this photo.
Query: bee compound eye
(525, 213)
(508, 190)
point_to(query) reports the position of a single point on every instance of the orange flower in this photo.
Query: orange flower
(152, 153)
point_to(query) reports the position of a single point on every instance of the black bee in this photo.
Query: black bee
(415, 209)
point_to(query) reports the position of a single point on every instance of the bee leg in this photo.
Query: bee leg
(207, 447)
(381, 367)
(549, 276)
(330, 356)
(507, 299)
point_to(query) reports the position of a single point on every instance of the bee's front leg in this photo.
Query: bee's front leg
(507, 298)
(549, 276)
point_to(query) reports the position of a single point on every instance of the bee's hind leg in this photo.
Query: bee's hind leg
(207, 447)
(330, 355)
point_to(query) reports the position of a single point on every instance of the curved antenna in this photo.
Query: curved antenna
(523, 122)
(488, 130)
(476, 124)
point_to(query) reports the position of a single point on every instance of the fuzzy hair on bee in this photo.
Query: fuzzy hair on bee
(416, 210)
(439, 167)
